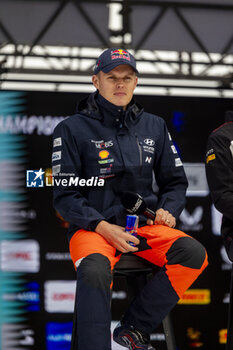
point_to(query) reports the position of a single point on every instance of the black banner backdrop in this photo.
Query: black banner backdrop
(37, 277)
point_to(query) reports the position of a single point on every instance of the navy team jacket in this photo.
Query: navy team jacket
(130, 150)
(219, 172)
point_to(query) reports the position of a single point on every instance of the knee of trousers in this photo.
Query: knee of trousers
(95, 271)
(187, 252)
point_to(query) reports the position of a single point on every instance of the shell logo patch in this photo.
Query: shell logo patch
(103, 154)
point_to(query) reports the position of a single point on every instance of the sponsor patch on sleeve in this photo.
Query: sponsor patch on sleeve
(173, 149)
(178, 162)
(210, 157)
(57, 142)
(56, 169)
(56, 156)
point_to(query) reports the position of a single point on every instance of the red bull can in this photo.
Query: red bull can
(132, 226)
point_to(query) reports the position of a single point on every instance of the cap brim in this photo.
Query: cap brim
(117, 63)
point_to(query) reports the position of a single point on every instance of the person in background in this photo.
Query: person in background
(219, 172)
(111, 138)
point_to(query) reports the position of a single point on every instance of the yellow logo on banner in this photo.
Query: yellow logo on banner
(196, 296)
(194, 335)
(209, 158)
(222, 334)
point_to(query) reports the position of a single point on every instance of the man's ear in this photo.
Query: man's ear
(95, 81)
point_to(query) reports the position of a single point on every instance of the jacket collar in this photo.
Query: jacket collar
(112, 114)
(97, 107)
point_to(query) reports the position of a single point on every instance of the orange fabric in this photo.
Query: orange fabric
(84, 243)
(176, 275)
(158, 237)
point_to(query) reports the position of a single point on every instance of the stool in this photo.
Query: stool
(137, 272)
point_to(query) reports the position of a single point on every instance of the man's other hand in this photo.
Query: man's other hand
(117, 237)
(163, 217)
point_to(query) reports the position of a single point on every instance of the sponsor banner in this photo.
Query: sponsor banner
(191, 221)
(216, 221)
(227, 264)
(40, 125)
(222, 336)
(57, 256)
(58, 335)
(59, 296)
(197, 181)
(12, 308)
(196, 296)
(194, 336)
(20, 256)
(28, 294)
(17, 336)
(226, 298)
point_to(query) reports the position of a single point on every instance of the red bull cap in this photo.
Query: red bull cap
(111, 58)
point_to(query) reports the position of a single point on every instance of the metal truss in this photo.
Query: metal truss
(37, 63)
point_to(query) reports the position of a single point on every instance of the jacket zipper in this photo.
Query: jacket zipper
(140, 154)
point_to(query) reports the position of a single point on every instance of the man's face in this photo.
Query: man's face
(117, 86)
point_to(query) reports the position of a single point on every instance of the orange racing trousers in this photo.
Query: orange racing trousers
(181, 258)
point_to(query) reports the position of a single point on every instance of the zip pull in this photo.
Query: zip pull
(139, 144)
